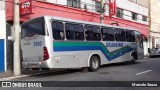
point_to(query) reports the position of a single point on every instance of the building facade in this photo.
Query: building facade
(154, 24)
(130, 13)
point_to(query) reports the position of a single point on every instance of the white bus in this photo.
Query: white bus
(53, 42)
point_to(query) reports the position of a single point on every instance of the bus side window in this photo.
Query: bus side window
(57, 30)
(96, 34)
(92, 33)
(88, 33)
(117, 34)
(74, 31)
(120, 34)
(107, 34)
(123, 35)
(130, 36)
(69, 31)
(79, 32)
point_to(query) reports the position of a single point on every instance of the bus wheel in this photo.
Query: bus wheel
(133, 59)
(94, 63)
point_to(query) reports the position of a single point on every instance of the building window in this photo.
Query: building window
(97, 6)
(144, 18)
(119, 13)
(134, 16)
(135, 1)
(73, 3)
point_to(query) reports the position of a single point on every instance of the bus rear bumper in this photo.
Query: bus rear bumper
(35, 65)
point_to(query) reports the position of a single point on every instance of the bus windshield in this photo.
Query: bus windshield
(33, 27)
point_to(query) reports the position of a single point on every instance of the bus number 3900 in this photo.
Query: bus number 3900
(38, 43)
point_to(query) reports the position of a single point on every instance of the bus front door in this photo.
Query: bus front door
(139, 42)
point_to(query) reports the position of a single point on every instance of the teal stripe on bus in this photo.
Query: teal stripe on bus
(85, 46)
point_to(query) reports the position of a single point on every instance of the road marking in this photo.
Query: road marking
(143, 72)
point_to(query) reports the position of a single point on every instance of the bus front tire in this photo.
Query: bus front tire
(94, 63)
(133, 59)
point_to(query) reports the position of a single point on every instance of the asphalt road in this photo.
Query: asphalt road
(142, 70)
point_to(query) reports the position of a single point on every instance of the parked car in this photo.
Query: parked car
(155, 52)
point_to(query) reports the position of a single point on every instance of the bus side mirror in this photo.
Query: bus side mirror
(149, 50)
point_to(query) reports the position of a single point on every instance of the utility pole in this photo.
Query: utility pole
(17, 70)
(101, 11)
(149, 15)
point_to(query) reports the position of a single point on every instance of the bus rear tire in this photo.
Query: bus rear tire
(94, 63)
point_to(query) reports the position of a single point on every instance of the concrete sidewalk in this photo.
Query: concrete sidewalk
(10, 73)
(6, 74)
